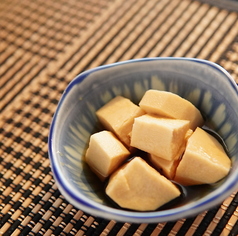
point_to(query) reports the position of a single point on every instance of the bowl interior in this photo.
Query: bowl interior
(206, 85)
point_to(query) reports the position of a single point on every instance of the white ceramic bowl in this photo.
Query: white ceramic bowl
(208, 86)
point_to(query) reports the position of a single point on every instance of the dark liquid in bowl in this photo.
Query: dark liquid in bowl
(188, 193)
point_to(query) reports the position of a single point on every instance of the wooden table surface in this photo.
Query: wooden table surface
(43, 46)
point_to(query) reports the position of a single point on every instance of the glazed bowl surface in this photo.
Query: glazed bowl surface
(207, 85)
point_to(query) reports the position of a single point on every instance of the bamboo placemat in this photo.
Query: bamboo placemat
(44, 45)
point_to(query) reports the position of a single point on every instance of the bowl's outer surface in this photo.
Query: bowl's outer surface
(205, 84)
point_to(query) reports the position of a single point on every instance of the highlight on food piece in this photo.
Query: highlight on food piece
(166, 128)
(171, 105)
(204, 161)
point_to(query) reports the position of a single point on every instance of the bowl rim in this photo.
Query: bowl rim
(82, 202)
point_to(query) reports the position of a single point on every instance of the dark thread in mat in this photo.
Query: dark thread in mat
(25, 16)
(128, 47)
(152, 33)
(86, 67)
(90, 49)
(3, 73)
(225, 218)
(118, 32)
(168, 44)
(101, 226)
(206, 221)
(191, 32)
(23, 87)
(157, 30)
(230, 48)
(222, 38)
(27, 194)
(132, 229)
(34, 11)
(84, 227)
(80, 48)
(234, 230)
(209, 39)
(167, 228)
(149, 229)
(115, 229)
(186, 226)
(14, 226)
(26, 230)
(201, 33)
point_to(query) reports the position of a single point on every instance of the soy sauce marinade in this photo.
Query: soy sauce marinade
(187, 193)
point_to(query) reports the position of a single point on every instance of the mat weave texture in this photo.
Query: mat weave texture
(43, 46)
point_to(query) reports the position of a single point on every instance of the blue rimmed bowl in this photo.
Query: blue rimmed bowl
(208, 86)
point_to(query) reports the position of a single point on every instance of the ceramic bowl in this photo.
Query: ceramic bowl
(208, 86)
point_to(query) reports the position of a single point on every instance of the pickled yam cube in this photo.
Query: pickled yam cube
(168, 168)
(138, 186)
(171, 105)
(204, 160)
(105, 153)
(159, 136)
(118, 116)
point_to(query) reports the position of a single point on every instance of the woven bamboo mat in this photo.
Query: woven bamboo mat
(43, 46)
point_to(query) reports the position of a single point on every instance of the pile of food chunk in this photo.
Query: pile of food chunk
(168, 129)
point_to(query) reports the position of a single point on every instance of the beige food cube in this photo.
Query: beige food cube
(159, 136)
(168, 168)
(105, 153)
(171, 105)
(118, 116)
(204, 160)
(140, 187)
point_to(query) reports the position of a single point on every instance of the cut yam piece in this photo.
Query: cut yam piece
(168, 168)
(159, 136)
(105, 153)
(140, 187)
(118, 116)
(204, 160)
(171, 105)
